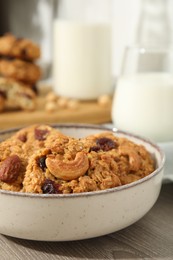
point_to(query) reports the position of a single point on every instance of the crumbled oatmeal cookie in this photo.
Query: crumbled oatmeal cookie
(51, 162)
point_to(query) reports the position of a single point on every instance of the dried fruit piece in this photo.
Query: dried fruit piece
(9, 168)
(94, 149)
(105, 144)
(50, 187)
(3, 94)
(22, 138)
(42, 162)
(41, 134)
(2, 103)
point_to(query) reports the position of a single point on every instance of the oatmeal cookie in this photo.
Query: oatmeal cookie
(51, 162)
(128, 160)
(19, 48)
(20, 70)
(14, 95)
(24, 144)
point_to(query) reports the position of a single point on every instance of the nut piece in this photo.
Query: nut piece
(104, 100)
(134, 159)
(73, 104)
(68, 170)
(51, 106)
(62, 102)
(9, 168)
(51, 96)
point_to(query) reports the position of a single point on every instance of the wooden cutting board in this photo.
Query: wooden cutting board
(87, 112)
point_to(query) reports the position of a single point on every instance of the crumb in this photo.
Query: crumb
(51, 96)
(51, 106)
(104, 100)
(62, 102)
(73, 104)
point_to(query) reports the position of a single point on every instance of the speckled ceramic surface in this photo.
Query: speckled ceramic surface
(60, 217)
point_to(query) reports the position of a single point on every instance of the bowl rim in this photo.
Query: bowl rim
(92, 193)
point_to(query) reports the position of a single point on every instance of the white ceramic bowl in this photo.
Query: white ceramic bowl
(59, 217)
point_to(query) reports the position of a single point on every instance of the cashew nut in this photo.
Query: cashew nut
(134, 159)
(68, 170)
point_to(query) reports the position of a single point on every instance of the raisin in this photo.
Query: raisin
(3, 94)
(106, 144)
(24, 52)
(22, 138)
(94, 149)
(8, 58)
(42, 163)
(10, 168)
(41, 134)
(35, 89)
(50, 187)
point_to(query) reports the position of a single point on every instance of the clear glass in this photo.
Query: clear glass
(154, 23)
(82, 49)
(143, 100)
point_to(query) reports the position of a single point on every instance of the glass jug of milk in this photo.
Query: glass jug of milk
(82, 49)
(143, 99)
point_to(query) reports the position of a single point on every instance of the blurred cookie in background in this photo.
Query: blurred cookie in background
(16, 95)
(20, 70)
(19, 73)
(20, 48)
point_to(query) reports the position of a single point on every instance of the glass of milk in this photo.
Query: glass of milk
(82, 49)
(143, 99)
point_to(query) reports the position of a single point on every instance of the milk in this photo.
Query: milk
(143, 104)
(81, 59)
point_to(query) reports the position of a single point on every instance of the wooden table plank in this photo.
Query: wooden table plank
(150, 237)
(86, 112)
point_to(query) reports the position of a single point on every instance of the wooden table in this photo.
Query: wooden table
(86, 112)
(149, 238)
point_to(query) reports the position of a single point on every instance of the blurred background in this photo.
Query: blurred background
(34, 19)
(84, 52)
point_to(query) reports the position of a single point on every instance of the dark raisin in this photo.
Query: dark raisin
(42, 163)
(24, 52)
(41, 134)
(49, 187)
(94, 149)
(8, 58)
(35, 89)
(22, 138)
(3, 94)
(106, 144)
